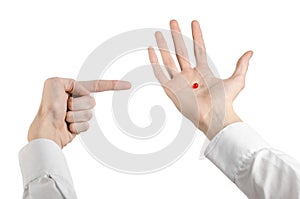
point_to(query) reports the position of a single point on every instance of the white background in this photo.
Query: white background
(40, 39)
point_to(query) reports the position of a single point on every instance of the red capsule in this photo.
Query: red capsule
(195, 85)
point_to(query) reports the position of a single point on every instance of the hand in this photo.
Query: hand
(209, 106)
(66, 108)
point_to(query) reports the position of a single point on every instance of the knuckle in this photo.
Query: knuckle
(70, 102)
(72, 128)
(179, 52)
(97, 86)
(73, 84)
(77, 128)
(85, 126)
(92, 101)
(114, 83)
(89, 115)
(69, 116)
(52, 80)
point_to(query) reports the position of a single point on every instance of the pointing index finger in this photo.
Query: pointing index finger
(105, 85)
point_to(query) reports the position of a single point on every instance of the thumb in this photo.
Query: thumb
(73, 87)
(242, 64)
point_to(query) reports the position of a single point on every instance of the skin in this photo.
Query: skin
(66, 108)
(212, 109)
(66, 104)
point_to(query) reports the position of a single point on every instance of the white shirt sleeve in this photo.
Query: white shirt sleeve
(45, 171)
(257, 169)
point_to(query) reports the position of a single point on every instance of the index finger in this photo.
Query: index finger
(105, 85)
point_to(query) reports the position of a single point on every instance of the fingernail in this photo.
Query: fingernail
(123, 85)
(251, 54)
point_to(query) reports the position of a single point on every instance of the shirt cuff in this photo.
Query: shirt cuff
(232, 146)
(43, 157)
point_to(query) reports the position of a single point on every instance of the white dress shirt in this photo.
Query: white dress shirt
(238, 151)
(45, 171)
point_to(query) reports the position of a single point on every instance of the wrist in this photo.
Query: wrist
(231, 117)
(213, 126)
(42, 127)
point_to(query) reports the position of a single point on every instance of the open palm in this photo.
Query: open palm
(200, 96)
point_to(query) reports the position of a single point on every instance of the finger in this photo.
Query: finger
(81, 103)
(76, 128)
(165, 54)
(242, 65)
(105, 85)
(81, 88)
(70, 86)
(158, 72)
(197, 34)
(199, 46)
(79, 116)
(180, 48)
